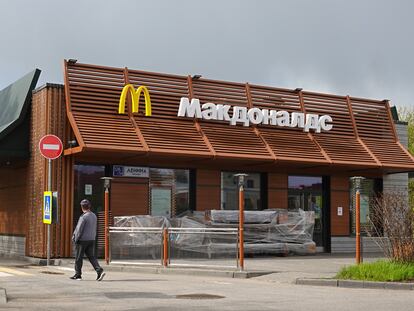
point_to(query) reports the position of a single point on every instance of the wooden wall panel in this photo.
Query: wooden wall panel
(277, 190)
(339, 197)
(208, 190)
(48, 117)
(129, 197)
(13, 201)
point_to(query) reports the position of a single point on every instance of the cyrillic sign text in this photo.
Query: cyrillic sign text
(244, 116)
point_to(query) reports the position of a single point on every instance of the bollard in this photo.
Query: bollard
(165, 249)
(357, 228)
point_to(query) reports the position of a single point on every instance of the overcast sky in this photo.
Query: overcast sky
(360, 48)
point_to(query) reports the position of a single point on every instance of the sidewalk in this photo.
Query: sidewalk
(273, 269)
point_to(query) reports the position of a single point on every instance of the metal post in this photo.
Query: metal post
(241, 178)
(358, 181)
(165, 243)
(49, 188)
(358, 227)
(106, 214)
(241, 225)
(107, 185)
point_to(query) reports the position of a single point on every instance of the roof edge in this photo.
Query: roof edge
(48, 85)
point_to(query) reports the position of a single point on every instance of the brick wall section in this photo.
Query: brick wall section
(208, 190)
(13, 200)
(129, 196)
(339, 197)
(278, 190)
(48, 117)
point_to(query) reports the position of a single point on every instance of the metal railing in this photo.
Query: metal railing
(203, 247)
(132, 245)
(157, 246)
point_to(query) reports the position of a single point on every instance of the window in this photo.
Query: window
(367, 194)
(169, 192)
(230, 192)
(88, 185)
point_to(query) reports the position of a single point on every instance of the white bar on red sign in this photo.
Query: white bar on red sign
(51, 147)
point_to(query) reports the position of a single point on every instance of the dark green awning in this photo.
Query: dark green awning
(15, 102)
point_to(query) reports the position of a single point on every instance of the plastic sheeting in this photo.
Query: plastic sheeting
(275, 231)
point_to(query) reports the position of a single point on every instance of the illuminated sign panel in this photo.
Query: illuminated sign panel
(135, 96)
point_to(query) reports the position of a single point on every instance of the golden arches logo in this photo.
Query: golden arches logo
(135, 96)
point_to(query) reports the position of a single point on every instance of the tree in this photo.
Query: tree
(406, 114)
(391, 215)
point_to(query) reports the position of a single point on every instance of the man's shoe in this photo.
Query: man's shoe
(76, 277)
(100, 275)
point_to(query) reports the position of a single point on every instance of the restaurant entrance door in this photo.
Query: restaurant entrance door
(305, 192)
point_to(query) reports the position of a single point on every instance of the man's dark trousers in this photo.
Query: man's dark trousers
(88, 248)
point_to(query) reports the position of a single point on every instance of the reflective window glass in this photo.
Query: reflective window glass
(230, 191)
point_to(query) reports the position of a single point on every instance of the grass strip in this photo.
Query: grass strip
(381, 271)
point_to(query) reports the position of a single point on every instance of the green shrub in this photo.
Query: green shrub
(382, 270)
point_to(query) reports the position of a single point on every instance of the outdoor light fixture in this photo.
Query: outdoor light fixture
(357, 180)
(107, 185)
(72, 143)
(196, 77)
(107, 182)
(72, 61)
(241, 177)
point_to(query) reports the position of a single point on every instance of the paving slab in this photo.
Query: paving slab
(3, 296)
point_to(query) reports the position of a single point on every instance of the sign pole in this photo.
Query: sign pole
(50, 147)
(49, 188)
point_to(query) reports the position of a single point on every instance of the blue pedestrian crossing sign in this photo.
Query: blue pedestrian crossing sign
(47, 207)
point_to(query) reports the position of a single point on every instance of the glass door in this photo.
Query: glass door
(305, 192)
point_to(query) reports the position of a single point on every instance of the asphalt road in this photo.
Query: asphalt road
(42, 288)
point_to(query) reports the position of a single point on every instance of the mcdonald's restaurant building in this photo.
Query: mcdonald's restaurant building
(177, 149)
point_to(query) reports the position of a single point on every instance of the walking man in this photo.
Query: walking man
(84, 239)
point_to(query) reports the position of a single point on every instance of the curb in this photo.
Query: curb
(355, 284)
(193, 271)
(42, 262)
(189, 271)
(3, 296)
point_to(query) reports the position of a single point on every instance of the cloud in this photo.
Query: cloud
(360, 48)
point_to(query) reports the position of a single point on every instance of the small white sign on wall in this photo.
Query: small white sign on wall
(88, 189)
(130, 171)
(340, 211)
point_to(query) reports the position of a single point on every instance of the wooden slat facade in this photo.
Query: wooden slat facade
(363, 136)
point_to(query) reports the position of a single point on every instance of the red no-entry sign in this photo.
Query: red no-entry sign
(50, 147)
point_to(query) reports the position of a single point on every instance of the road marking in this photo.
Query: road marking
(4, 274)
(12, 271)
(64, 268)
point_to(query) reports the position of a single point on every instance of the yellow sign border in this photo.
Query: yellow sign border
(50, 195)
